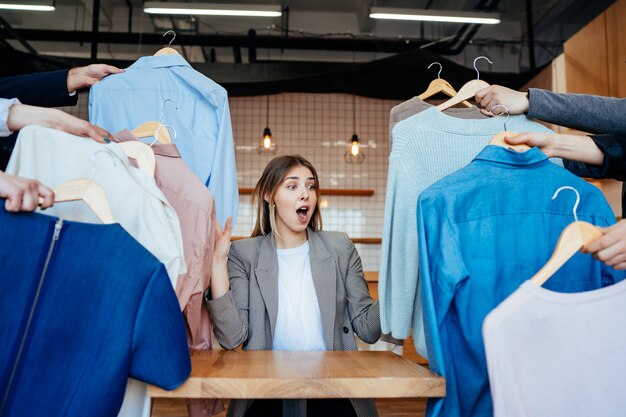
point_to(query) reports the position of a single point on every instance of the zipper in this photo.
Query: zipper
(55, 236)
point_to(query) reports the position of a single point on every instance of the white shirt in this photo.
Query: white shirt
(553, 354)
(5, 104)
(298, 322)
(137, 204)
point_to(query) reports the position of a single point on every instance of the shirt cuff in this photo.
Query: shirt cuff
(72, 94)
(5, 105)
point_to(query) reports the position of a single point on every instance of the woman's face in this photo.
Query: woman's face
(295, 201)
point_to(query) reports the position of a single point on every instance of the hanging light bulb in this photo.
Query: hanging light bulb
(354, 154)
(266, 145)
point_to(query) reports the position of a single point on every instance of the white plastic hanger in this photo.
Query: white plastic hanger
(439, 85)
(572, 239)
(168, 50)
(468, 90)
(499, 139)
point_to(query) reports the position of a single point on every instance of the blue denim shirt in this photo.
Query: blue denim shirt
(79, 317)
(202, 122)
(483, 231)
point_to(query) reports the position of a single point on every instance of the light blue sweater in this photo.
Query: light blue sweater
(426, 147)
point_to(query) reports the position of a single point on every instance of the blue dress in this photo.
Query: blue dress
(82, 308)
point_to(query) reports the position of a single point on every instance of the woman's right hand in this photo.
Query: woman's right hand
(219, 280)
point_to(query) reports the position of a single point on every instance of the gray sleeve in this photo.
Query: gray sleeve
(589, 113)
(364, 312)
(230, 312)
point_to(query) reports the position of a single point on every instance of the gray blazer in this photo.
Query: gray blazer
(247, 312)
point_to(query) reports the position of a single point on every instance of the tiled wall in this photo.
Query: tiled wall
(317, 127)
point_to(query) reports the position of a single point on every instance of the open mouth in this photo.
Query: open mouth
(302, 213)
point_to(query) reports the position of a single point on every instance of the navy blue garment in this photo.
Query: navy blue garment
(484, 230)
(79, 317)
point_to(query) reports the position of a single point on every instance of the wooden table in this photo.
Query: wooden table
(297, 375)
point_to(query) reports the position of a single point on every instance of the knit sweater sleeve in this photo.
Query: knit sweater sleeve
(589, 113)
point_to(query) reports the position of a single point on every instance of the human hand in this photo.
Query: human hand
(81, 77)
(21, 115)
(515, 101)
(222, 240)
(611, 247)
(544, 141)
(219, 279)
(23, 194)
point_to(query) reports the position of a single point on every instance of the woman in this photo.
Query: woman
(596, 156)
(291, 286)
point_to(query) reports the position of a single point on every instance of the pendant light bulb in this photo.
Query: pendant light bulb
(354, 154)
(266, 145)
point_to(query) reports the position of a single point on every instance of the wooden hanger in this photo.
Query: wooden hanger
(572, 239)
(142, 153)
(439, 85)
(92, 194)
(499, 139)
(468, 90)
(150, 129)
(168, 50)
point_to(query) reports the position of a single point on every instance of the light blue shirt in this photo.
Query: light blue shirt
(5, 104)
(483, 231)
(202, 122)
(426, 147)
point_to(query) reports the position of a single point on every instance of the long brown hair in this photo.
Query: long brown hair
(273, 176)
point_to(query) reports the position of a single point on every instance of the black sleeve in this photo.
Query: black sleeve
(586, 112)
(46, 89)
(613, 165)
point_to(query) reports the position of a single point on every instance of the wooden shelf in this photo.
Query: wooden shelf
(326, 191)
(363, 240)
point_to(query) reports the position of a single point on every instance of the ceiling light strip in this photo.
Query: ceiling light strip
(27, 7)
(447, 16)
(205, 9)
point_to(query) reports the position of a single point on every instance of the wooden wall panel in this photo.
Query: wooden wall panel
(586, 59)
(616, 48)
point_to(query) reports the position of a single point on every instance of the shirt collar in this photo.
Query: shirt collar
(501, 155)
(161, 61)
(159, 148)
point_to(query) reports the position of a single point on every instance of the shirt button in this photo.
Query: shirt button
(346, 330)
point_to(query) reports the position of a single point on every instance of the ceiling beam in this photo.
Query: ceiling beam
(218, 40)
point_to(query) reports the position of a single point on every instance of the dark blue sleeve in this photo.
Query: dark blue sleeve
(45, 89)
(614, 163)
(160, 354)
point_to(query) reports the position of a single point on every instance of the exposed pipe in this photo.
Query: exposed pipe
(530, 33)
(95, 23)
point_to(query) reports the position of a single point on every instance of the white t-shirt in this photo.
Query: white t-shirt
(299, 322)
(552, 354)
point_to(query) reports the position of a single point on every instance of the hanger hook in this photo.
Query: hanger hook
(173, 33)
(476, 69)
(156, 134)
(508, 114)
(567, 187)
(440, 68)
(163, 104)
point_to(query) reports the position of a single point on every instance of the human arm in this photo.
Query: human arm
(20, 115)
(227, 298)
(53, 88)
(364, 312)
(596, 156)
(586, 112)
